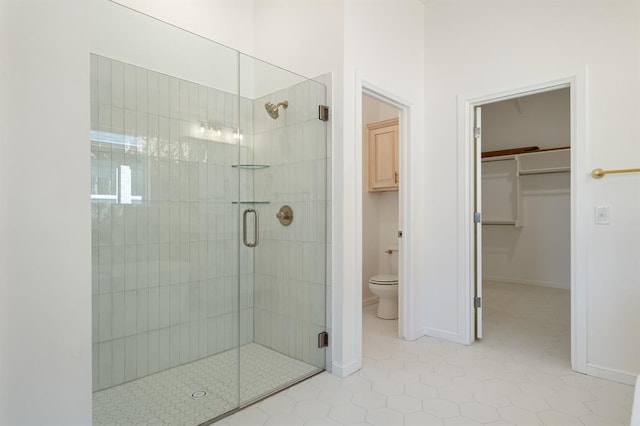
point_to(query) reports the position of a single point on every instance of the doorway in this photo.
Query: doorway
(376, 104)
(380, 207)
(522, 224)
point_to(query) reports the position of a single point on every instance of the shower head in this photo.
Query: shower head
(272, 109)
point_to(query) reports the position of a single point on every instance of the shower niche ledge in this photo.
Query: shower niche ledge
(250, 166)
(251, 202)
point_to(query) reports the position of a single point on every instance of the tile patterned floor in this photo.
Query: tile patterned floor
(165, 397)
(519, 374)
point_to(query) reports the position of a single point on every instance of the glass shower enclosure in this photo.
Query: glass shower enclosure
(208, 192)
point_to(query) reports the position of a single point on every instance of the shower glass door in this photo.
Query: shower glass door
(165, 220)
(283, 191)
(208, 191)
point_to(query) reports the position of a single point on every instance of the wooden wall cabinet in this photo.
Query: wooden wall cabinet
(383, 155)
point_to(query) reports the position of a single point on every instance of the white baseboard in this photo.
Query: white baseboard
(369, 301)
(441, 334)
(344, 370)
(610, 374)
(595, 370)
(564, 286)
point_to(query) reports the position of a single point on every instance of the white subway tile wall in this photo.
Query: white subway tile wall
(290, 263)
(165, 267)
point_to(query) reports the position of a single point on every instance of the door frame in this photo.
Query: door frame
(576, 82)
(406, 330)
(477, 227)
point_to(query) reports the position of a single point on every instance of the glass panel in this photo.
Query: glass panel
(165, 220)
(282, 299)
(203, 300)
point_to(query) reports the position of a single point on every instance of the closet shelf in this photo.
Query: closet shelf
(499, 222)
(503, 175)
(510, 152)
(250, 166)
(544, 171)
(250, 202)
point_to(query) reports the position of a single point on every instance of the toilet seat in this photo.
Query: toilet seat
(385, 286)
(384, 279)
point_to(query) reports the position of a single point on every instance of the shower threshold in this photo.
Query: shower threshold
(194, 393)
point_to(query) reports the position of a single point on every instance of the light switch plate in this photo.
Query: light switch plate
(602, 215)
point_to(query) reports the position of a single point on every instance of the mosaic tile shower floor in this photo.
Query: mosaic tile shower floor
(166, 397)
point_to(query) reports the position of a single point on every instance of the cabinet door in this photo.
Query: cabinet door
(383, 156)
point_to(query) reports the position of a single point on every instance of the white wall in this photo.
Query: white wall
(379, 209)
(45, 218)
(532, 42)
(302, 36)
(224, 21)
(541, 120)
(537, 253)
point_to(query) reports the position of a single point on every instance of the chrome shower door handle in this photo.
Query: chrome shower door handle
(255, 228)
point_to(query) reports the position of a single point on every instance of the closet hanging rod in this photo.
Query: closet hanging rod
(599, 173)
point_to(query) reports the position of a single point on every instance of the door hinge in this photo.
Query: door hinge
(323, 339)
(323, 112)
(477, 302)
(476, 132)
(477, 217)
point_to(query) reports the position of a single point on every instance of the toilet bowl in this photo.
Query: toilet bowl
(385, 286)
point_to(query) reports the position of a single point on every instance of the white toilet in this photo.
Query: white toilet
(385, 286)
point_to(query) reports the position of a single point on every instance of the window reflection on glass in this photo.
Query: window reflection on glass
(111, 180)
